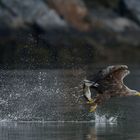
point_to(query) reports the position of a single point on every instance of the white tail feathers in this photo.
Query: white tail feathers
(90, 83)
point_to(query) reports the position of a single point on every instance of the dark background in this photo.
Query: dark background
(68, 33)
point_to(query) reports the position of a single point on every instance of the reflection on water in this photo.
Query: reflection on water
(68, 131)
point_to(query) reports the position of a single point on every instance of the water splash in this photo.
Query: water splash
(105, 119)
(45, 95)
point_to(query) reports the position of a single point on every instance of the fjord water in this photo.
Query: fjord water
(47, 105)
(68, 131)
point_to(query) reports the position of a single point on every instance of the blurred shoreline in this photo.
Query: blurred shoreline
(38, 34)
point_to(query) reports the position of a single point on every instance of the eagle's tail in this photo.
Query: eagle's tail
(89, 83)
(87, 92)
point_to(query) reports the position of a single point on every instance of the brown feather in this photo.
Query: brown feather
(110, 83)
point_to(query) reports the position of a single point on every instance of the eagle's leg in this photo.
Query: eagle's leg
(95, 103)
(90, 101)
(93, 108)
(99, 99)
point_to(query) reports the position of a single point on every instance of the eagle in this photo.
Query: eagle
(107, 83)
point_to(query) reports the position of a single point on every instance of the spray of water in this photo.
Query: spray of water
(105, 119)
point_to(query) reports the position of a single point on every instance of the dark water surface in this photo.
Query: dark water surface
(68, 131)
(46, 105)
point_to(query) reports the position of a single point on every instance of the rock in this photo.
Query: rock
(17, 13)
(133, 6)
(74, 11)
(111, 20)
(112, 4)
(120, 24)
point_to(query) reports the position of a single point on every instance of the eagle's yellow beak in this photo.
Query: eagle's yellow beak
(138, 94)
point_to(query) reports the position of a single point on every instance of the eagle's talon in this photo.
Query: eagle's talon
(90, 101)
(93, 108)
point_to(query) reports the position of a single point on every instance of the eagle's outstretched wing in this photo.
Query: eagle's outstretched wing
(109, 78)
(108, 83)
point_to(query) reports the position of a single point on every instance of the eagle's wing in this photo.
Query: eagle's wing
(120, 73)
(110, 78)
